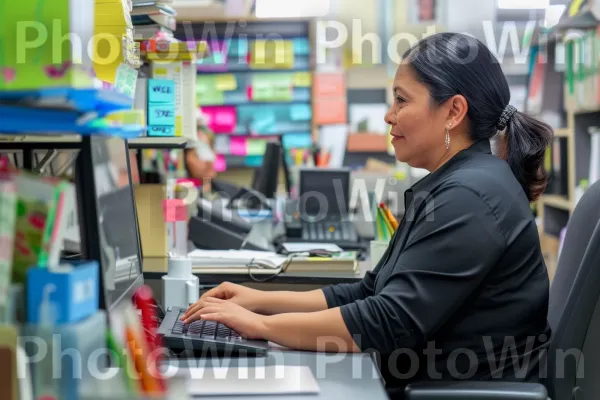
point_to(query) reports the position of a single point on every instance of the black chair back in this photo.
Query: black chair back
(573, 313)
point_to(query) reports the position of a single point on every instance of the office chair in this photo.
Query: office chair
(573, 315)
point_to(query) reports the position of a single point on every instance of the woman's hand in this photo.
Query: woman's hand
(248, 298)
(244, 322)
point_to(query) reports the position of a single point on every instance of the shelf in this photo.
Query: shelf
(563, 132)
(158, 143)
(582, 110)
(557, 201)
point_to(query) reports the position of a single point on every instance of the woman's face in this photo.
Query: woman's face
(418, 128)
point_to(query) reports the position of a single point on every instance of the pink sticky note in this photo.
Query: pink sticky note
(174, 210)
(220, 164)
(238, 146)
(221, 119)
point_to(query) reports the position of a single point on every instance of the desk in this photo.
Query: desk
(155, 268)
(340, 376)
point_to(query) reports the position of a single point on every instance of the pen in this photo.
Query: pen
(138, 352)
(389, 216)
(144, 301)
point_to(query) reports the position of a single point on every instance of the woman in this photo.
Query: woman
(462, 291)
(199, 160)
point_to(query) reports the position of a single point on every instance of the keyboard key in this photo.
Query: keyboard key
(223, 331)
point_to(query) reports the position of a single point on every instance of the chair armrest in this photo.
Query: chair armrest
(475, 390)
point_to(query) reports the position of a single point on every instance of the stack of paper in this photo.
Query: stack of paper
(215, 259)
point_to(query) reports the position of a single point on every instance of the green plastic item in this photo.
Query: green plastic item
(35, 50)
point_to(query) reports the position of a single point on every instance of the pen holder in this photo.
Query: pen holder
(69, 357)
(377, 250)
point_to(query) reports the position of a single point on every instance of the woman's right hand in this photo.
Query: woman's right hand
(250, 299)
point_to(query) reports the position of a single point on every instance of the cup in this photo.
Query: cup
(378, 248)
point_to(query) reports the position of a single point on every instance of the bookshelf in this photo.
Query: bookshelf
(564, 90)
(254, 85)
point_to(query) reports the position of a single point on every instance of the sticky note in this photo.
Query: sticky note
(126, 80)
(220, 163)
(256, 147)
(216, 59)
(225, 82)
(272, 54)
(272, 87)
(253, 161)
(300, 140)
(161, 91)
(237, 146)
(263, 122)
(222, 144)
(159, 114)
(238, 47)
(302, 79)
(222, 119)
(207, 92)
(155, 130)
(174, 210)
(300, 112)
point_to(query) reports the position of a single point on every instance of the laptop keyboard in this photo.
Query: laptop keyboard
(204, 329)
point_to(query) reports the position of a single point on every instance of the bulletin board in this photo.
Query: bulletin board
(254, 86)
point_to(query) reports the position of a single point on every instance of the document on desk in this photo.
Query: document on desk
(245, 381)
(236, 259)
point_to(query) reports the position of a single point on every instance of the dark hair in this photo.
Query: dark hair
(450, 64)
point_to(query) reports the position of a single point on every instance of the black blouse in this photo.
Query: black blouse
(462, 290)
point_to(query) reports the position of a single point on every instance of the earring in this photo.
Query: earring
(447, 138)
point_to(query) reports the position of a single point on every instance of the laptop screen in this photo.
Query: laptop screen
(117, 223)
(324, 193)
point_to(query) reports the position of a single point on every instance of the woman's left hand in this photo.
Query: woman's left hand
(246, 323)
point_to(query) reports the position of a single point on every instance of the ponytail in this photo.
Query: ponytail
(526, 141)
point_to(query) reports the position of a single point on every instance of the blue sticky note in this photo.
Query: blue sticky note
(161, 91)
(263, 122)
(254, 161)
(238, 47)
(161, 114)
(300, 112)
(159, 130)
(297, 140)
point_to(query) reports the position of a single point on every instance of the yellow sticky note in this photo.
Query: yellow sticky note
(160, 72)
(272, 54)
(225, 82)
(178, 126)
(302, 79)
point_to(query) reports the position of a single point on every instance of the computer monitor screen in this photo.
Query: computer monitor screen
(324, 193)
(117, 221)
(266, 178)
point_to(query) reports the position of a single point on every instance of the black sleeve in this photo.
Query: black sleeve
(344, 293)
(449, 251)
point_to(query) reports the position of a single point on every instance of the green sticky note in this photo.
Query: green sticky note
(272, 87)
(207, 91)
(126, 80)
(256, 147)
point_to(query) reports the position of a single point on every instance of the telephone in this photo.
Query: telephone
(217, 227)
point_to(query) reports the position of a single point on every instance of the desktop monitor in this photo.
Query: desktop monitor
(324, 193)
(117, 220)
(267, 176)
